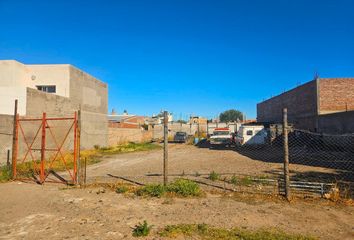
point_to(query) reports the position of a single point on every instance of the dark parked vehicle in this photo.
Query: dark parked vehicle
(180, 137)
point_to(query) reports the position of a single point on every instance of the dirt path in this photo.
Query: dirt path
(189, 160)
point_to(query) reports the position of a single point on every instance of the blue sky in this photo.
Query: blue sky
(189, 57)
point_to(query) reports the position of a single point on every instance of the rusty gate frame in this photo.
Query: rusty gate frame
(58, 150)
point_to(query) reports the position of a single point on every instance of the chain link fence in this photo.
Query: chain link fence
(318, 164)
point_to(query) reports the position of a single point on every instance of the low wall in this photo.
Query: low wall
(190, 129)
(125, 135)
(93, 125)
(336, 123)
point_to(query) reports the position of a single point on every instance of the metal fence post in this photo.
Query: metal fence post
(165, 149)
(76, 175)
(44, 123)
(14, 141)
(8, 159)
(286, 154)
(79, 165)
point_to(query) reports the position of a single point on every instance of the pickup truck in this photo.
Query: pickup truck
(222, 137)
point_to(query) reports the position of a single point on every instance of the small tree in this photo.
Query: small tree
(231, 115)
(181, 121)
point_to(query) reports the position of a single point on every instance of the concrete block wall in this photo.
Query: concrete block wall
(54, 105)
(94, 130)
(336, 123)
(94, 125)
(6, 129)
(336, 95)
(190, 129)
(124, 135)
(87, 91)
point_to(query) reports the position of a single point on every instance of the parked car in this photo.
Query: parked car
(251, 135)
(222, 137)
(180, 137)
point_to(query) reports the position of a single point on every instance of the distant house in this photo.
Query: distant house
(125, 120)
(198, 120)
(323, 105)
(158, 119)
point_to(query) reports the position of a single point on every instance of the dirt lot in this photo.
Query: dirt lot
(190, 160)
(30, 211)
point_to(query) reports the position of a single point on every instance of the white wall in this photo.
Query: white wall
(15, 77)
(58, 75)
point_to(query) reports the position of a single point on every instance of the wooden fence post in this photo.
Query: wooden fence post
(14, 141)
(286, 154)
(165, 149)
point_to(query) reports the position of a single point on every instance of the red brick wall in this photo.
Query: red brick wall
(300, 101)
(336, 95)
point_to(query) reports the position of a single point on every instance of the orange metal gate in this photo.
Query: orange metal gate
(46, 149)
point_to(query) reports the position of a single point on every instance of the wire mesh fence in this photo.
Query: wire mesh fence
(318, 164)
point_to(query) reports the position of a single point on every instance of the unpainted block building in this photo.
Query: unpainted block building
(317, 106)
(58, 90)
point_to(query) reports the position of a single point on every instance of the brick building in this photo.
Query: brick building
(317, 106)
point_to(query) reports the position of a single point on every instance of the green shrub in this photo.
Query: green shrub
(142, 229)
(122, 189)
(180, 187)
(5, 174)
(152, 190)
(233, 180)
(213, 176)
(184, 187)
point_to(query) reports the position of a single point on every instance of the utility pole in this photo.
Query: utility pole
(165, 149)
(286, 154)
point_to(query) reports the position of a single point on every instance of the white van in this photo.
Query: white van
(251, 135)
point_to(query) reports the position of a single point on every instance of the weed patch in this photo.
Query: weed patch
(91, 156)
(185, 188)
(122, 189)
(5, 174)
(213, 176)
(129, 147)
(234, 180)
(180, 187)
(142, 229)
(203, 231)
(152, 190)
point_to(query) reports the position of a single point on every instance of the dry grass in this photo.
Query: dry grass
(66, 160)
(204, 231)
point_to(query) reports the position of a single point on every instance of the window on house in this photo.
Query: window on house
(47, 88)
(249, 133)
